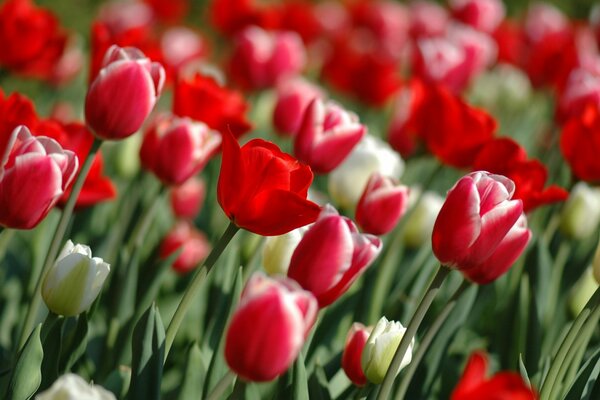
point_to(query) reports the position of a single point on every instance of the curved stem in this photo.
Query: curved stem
(411, 330)
(57, 240)
(428, 338)
(221, 386)
(194, 286)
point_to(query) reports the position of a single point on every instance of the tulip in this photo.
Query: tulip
(193, 244)
(427, 19)
(176, 148)
(123, 94)
(351, 357)
(293, 98)
(278, 250)
(420, 221)
(331, 256)
(474, 385)
(34, 173)
(268, 328)
(581, 89)
(480, 230)
(483, 15)
(187, 198)
(74, 281)
(382, 205)
(327, 135)
(262, 58)
(581, 214)
(264, 190)
(73, 387)
(348, 181)
(181, 45)
(583, 290)
(380, 349)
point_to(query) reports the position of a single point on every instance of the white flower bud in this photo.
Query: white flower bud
(581, 213)
(278, 251)
(420, 220)
(74, 281)
(73, 387)
(582, 291)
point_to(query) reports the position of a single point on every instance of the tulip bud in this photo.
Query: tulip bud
(268, 328)
(583, 290)
(380, 349)
(73, 283)
(331, 256)
(351, 357)
(176, 148)
(327, 135)
(193, 243)
(73, 387)
(123, 94)
(382, 205)
(420, 221)
(483, 15)
(187, 198)
(278, 251)
(348, 181)
(293, 97)
(34, 174)
(581, 213)
(480, 230)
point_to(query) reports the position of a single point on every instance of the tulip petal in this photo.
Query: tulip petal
(231, 175)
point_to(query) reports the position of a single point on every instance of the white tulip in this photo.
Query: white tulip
(73, 387)
(278, 251)
(581, 214)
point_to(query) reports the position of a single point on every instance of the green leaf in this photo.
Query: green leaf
(585, 378)
(74, 342)
(299, 380)
(194, 374)
(318, 386)
(118, 381)
(523, 370)
(148, 355)
(52, 344)
(27, 375)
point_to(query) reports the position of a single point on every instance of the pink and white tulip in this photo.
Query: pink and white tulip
(293, 98)
(268, 328)
(480, 229)
(331, 256)
(327, 135)
(483, 15)
(427, 19)
(123, 94)
(187, 198)
(351, 357)
(175, 148)
(193, 244)
(34, 173)
(382, 205)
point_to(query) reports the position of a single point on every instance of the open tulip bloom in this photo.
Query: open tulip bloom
(300, 199)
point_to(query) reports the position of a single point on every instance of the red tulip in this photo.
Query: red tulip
(181, 46)
(169, 11)
(231, 16)
(382, 205)
(427, 19)
(203, 99)
(176, 148)
(193, 244)
(31, 39)
(264, 190)
(293, 98)
(327, 135)
(331, 256)
(483, 15)
(34, 173)
(123, 94)
(404, 125)
(351, 357)
(187, 198)
(474, 385)
(262, 58)
(268, 328)
(15, 110)
(580, 144)
(480, 230)
(582, 88)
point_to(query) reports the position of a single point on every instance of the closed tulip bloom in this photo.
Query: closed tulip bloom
(192, 243)
(293, 98)
(420, 221)
(351, 357)
(380, 349)
(73, 387)
(581, 214)
(327, 135)
(121, 97)
(268, 328)
(177, 148)
(480, 230)
(331, 256)
(34, 173)
(382, 205)
(278, 251)
(483, 15)
(263, 189)
(474, 385)
(73, 283)
(187, 198)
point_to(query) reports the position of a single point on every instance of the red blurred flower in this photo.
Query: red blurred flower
(474, 385)
(351, 357)
(293, 97)
(404, 125)
(193, 244)
(506, 157)
(580, 143)
(262, 189)
(427, 19)
(15, 110)
(231, 16)
(510, 39)
(169, 11)
(299, 16)
(483, 15)
(31, 39)
(187, 198)
(202, 98)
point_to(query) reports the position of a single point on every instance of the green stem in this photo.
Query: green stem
(221, 386)
(428, 338)
(558, 268)
(57, 242)
(411, 330)
(551, 378)
(195, 285)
